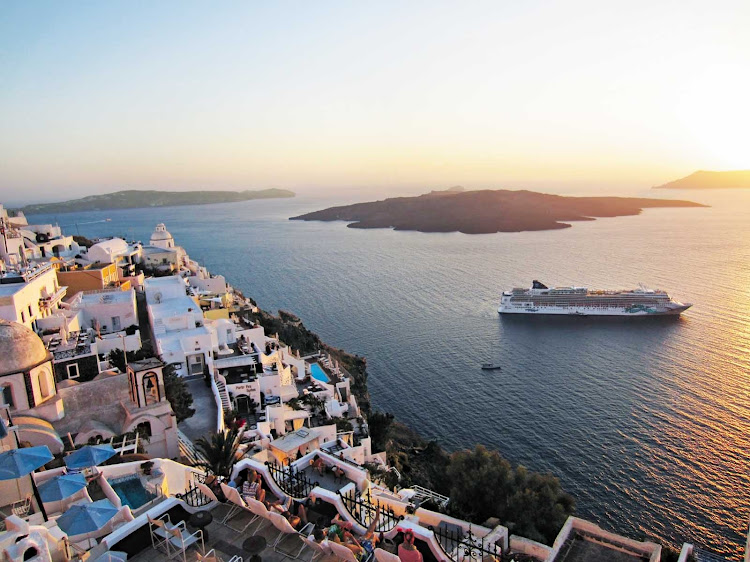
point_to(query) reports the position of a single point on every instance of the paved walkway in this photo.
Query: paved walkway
(203, 422)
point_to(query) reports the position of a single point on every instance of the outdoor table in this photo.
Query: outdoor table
(201, 520)
(254, 546)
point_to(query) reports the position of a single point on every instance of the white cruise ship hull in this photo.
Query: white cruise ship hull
(593, 311)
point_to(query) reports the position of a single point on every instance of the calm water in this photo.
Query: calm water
(647, 423)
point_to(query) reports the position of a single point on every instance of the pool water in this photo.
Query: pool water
(131, 492)
(318, 373)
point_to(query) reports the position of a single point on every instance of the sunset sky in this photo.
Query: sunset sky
(318, 96)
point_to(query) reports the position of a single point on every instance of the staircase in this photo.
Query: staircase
(226, 404)
(188, 451)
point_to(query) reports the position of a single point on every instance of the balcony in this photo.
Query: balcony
(50, 301)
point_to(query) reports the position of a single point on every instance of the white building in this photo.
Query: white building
(29, 294)
(178, 326)
(109, 405)
(161, 237)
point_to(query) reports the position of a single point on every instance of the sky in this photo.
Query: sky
(392, 96)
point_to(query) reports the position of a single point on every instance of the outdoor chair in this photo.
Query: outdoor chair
(180, 540)
(385, 556)
(233, 497)
(319, 548)
(286, 530)
(21, 508)
(260, 511)
(159, 531)
(208, 492)
(343, 553)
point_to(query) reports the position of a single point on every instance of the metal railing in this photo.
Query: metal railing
(364, 510)
(293, 482)
(460, 545)
(194, 497)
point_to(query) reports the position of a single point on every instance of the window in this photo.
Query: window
(151, 391)
(7, 395)
(144, 428)
(30, 313)
(23, 317)
(73, 372)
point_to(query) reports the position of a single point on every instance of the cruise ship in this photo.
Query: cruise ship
(579, 301)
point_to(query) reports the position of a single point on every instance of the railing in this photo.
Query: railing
(424, 494)
(194, 497)
(364, 511)
(291, 481)
(462, 546)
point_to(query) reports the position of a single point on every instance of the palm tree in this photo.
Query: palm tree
(220, 451)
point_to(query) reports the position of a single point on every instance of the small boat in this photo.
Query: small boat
(490, 366)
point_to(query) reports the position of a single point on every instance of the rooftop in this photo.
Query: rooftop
(106, 296)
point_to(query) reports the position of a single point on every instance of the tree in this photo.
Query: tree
(178, 394)
(116, 358)
(342, 425)
(220, 451)
(483, 485)
(380, 425)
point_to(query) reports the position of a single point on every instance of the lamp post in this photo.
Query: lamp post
(124, 349)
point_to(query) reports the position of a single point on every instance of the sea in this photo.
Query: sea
(645, 421)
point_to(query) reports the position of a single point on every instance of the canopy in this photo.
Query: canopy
(90, 455)
(20, 462)
(87, 517)
(61, 486)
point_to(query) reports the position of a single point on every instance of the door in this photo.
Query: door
(115, 323)
(195, 362)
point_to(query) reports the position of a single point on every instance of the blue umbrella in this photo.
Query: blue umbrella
(20, 462)
(90, 455)
(87, 517)
(61, 486)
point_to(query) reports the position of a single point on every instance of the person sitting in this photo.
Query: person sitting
(252, 488)
(407, 552)
(338, 473)
(239, 480)
(294, 511)
(340, 532)
(214, 485)
(318, 464)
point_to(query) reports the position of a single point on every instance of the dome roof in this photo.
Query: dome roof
(22, 348)
(161, 233)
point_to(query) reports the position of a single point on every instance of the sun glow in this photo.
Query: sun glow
(714, 112)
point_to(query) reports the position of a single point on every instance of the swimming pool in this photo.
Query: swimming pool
(131, 491)
(318, 373)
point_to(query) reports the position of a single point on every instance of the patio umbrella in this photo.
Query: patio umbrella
(20, 462)
(17, 463)
(86, 518)
(90, 455)
(61, 486)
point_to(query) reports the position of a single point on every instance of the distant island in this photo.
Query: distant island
(484, 212)
(134, 199)
(737, 179)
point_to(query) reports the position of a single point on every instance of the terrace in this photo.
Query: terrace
(76, 344)
(226, 542)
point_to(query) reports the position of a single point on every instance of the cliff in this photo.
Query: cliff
(738, 179)
(482, 212)
(134, 199)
